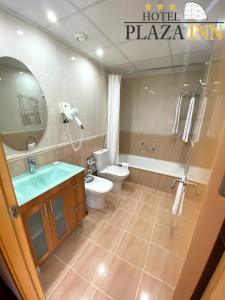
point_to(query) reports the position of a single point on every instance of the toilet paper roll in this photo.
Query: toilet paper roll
(89, 171)
(90, 162)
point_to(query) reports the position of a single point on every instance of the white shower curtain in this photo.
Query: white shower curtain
(113, 117)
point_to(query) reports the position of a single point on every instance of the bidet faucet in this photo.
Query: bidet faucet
(32, 164)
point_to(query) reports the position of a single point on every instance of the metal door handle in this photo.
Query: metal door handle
(45, 209)
(51, 206)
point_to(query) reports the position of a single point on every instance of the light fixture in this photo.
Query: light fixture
(20, 32)
(146, 88)
(0, 78)
(99, 52)
(73, 58)
(51, 16)
(186, 84)
(21, 72)
(194, 11)
(81, 37)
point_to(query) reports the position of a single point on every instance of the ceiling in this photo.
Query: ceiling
(103, 21)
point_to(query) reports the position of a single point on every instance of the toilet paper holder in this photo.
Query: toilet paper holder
(185, 182)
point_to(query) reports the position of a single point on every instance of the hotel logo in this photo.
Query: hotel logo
(163, 22)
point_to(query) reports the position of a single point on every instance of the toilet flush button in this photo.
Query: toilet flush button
(222, 188)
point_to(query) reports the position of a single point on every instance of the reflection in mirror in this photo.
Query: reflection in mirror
(23, 113)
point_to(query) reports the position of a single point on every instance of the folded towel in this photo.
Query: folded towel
(179, 199)
(187, 127)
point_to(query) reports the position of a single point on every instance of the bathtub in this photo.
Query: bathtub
(163, 167)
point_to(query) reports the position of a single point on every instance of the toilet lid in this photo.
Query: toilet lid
(116, 171)
(99, 185)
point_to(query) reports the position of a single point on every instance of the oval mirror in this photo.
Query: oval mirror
(23, 109)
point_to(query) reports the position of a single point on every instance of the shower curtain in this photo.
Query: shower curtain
(114, 82)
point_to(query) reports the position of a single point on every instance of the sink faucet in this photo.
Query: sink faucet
(32, 164)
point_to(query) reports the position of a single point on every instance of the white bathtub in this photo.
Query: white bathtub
(165, 167)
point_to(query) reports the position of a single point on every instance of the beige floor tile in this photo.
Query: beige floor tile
(52, 271)
(88, 226)
(133, 250)
(71, 248)
(93, 263)
(178, 223)
(73, 287)
(129, 204)
(146, 211)
(150, 198)
(99, 214)
(153, 289)
(114, 199)
(120, 219)
(163, 265)
(100, 296)
(140, 227)
(121, 281)
(108, 236)
(167, 238)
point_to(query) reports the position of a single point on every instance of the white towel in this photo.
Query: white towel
(177, 115)
(179, 200)
(200, 121)
(187, 127)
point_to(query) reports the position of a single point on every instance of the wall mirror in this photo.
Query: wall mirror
(23, 109)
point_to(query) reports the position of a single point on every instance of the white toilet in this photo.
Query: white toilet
(114, 173)
(96, 191)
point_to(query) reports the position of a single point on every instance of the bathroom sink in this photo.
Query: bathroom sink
(28, 186)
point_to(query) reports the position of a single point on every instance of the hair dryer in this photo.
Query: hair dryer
(70, 114)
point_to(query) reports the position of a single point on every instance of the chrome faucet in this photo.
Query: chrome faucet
(32, 164)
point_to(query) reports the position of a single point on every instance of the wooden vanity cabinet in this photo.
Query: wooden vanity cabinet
(52, 216)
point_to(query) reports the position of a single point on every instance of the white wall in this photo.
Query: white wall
(80, 82)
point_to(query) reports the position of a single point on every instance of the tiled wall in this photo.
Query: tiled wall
(165, 147)
(148, 106)
(65, 154)
(80, 82)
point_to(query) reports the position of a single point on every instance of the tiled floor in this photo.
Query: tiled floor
(134, 249)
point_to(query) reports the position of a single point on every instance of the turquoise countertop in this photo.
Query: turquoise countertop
(28, 186)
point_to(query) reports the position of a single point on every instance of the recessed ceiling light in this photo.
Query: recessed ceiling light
(21, 72)
(20, 32)
(73, 58)
(51, 16)
(186, 84)
(0, 78)
(99, 52)
(81, 37)
(146, 88)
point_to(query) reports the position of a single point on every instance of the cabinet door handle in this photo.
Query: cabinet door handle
(51, 206)
(45, 209)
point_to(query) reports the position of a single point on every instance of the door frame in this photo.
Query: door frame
(209, 223)
(13, 241)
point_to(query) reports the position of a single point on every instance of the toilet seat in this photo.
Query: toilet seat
(99, 185)
(115, 171)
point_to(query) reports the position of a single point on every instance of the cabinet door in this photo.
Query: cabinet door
(59, 215)
(77, 206)
(37, 226)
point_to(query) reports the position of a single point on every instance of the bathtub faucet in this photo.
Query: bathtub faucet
(147, 147)
(186, 182)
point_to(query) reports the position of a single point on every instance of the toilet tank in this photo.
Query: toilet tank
(102, 158)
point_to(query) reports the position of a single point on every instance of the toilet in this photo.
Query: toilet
(114, 173)
(96, 188)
